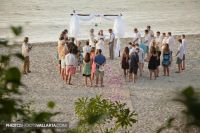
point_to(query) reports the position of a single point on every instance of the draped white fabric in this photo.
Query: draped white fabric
(118, 28)
(74, 26)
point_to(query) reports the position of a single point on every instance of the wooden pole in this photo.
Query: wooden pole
(95, 15)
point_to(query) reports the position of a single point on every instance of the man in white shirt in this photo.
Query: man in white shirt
(136, 36)
(147, 41)
(150, 32)
(111, 44)
(179, 55)
(86, 49)
(26, 48)
(184, 43)
(158, 39)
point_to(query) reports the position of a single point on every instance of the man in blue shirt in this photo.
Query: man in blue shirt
(100, 61)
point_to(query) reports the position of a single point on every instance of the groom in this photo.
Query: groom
(111, 44)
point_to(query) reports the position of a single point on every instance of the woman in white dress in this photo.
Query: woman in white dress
(101, 44)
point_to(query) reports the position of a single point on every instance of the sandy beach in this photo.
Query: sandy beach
(151, 99)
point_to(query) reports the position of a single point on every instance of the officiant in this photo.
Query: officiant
(111, 44)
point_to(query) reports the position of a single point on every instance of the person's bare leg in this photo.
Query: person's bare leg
(134, 78)
(155, 74)
(85, 81)
(167, 71)
(150, 74)
(28, 65)
(158, 71)
(183, 65)
(90, 81)
(101, 81)
(63, 74)
(66, 78)
(164, 71)
(97, 80)
(24, 67)
(70, 78)
(130, 77)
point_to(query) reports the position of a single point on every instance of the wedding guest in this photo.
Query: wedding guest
(60, 42)
(100, 61)
(140, 53)
(70, 61)
(73, 46)
(79, 47)
(147, 40)
(158, 52)
(133, 68)
(92, 38)
(158, 39)
(65, 34)
(111, 44)
(184, 43)
(179, 55)
(86, 48)
(132, 49)
(130, 45)
(92, 56)
(152, 66)
(150, 32)
(136, 36)
(87, 68)
(164, 39)
(125, 61)
(26, 48)
(80, 60)
(166, 59)
(61, 53)
(170, 42)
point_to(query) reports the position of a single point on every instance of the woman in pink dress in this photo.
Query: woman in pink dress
(92, 55)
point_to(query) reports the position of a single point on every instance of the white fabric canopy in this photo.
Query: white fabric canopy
(118, 28)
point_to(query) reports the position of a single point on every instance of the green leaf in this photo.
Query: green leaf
(51, 104)
(13, 75)
(17, 30)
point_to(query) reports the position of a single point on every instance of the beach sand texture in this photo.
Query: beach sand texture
(151, 99)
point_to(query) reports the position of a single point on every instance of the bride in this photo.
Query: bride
(100, 44)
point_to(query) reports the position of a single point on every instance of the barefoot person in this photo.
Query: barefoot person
(136, 36)
(70, 61)
(100, 61)
(147, 40)
(141, 58)
(179, 55)
(93, 65)
(152, 66)
(61, 54)
(133, 68)
(184, 43)
(125, 61)
(111, 44)
(166, 59)
(87, 68)
(26, 48)
(86, 48)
